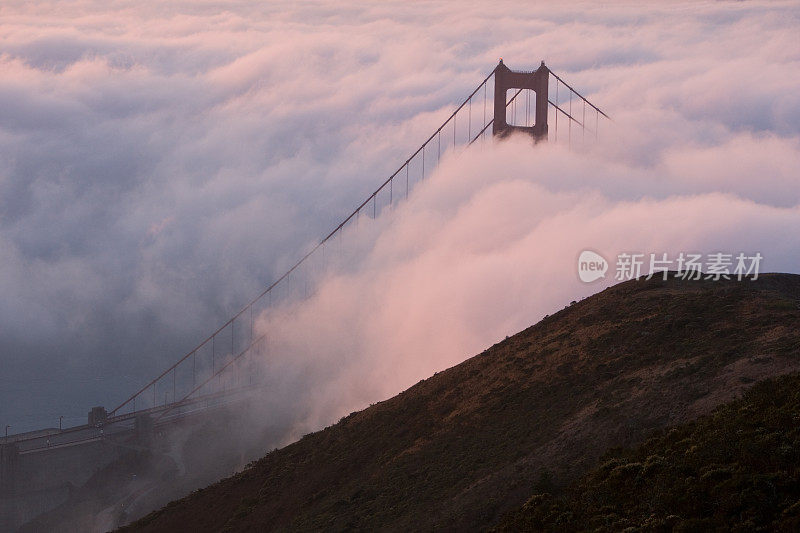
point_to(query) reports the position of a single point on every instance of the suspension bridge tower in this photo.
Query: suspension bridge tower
(506, 79)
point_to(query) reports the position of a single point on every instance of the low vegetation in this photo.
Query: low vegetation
(735, 470)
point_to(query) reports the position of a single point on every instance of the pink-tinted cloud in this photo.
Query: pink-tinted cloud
(252, 127)
(486, 248)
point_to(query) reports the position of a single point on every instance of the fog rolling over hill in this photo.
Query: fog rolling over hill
(468, 447)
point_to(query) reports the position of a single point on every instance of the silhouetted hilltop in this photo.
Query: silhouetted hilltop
(535, 412)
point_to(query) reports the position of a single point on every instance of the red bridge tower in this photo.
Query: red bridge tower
(537, 81)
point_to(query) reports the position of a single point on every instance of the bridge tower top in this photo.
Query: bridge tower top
(506, 79)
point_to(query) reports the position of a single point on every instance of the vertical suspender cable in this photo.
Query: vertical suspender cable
(596, 123)
(407, 164)
(556, 111)
(469, 122)
(527, 108)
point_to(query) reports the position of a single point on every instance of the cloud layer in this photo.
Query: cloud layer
(160, 165)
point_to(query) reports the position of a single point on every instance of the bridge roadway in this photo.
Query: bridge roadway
(116, 426)
(39, 470)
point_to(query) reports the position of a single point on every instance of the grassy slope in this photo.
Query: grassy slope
(465, 447)
(738, 469)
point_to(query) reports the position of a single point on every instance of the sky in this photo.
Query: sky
(161, 164)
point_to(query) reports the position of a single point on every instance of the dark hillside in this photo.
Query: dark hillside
(468, 445)
(738, 469)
